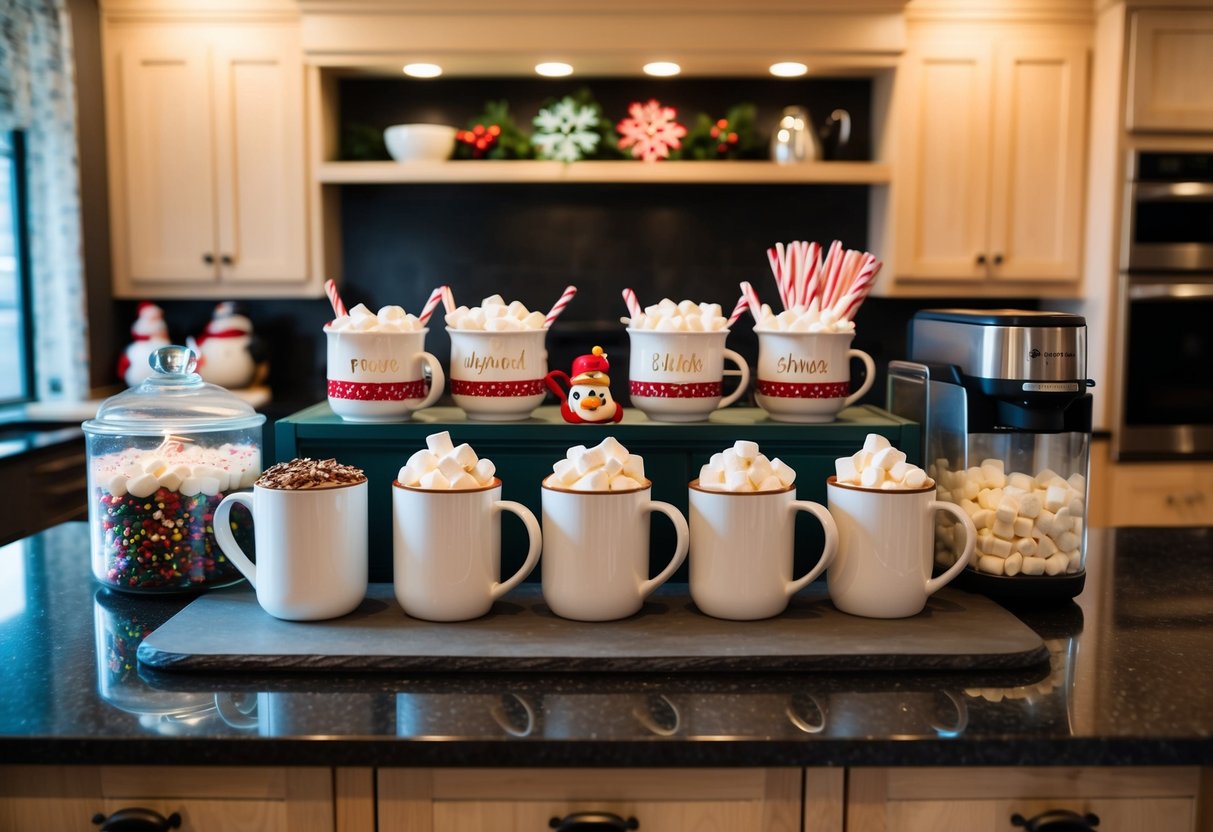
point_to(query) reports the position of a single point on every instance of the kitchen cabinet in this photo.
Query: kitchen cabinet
(985, 799)
(990, 168)
(1161, 494)
(527, 799)
(205, 136)
(56, 798)
(1168, 50)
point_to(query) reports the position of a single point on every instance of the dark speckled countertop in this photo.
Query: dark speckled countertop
(1128, 683)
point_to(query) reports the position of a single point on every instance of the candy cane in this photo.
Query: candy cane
(743, 303)
(747, 291)
(330, 289)
(775, 256)
(448, 298)
(629, 299)
(814, 269)
(559, 305)
(431, 304)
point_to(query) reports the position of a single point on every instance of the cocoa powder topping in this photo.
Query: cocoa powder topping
(299, 474)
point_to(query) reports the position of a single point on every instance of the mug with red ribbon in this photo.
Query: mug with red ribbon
(679, 376)
(806, 376)
(379, 376)
(497, 376)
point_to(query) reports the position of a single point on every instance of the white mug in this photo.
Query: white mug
(806, 376)
(446, 550)
(677, 376)
(596, 551)
(883, 565)
(742, 550)
(498, 376)
(311, 548)
(378, 376)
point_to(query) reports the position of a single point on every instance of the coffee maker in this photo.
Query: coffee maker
(1002, 399)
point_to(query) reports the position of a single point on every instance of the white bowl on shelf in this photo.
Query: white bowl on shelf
(420, 142)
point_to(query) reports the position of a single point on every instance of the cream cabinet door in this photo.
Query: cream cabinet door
(1154, 814)
(1037, 159)
(161, 161)
(1171, 61)
(259, 152)
(943, 169)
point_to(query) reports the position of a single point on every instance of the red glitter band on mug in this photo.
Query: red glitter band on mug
(496, 389)
(363, 391)
(804, 390)
(665, 390)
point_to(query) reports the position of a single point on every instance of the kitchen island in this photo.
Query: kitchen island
(1126, 684)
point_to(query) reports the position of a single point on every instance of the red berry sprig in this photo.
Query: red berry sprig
(480, 138)
(726, 139)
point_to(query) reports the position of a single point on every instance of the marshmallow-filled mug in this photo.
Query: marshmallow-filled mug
(498, 359)
(678, 376)
(884, 508)
(806, 376)
(743, 521)
(310, 533)
(446, 534)
(596, 534)
(376, 367)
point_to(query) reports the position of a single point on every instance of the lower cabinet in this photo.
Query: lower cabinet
(232, 798)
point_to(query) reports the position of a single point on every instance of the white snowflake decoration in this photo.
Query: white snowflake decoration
(650, 130)
(565, 131)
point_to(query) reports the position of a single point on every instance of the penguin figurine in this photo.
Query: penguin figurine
(149, 333)
(225, 349)
(589, 400)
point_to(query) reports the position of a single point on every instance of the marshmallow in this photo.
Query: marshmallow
(440, 443)
(495, 315)
(743, 467)
(443, 466)
(141, 474)
(144, 485)
(877, 464)
(605, 467)
(484, 470)
(803, 319)
(387, 319)
(991, 564)
(434, 481)
(686, 316)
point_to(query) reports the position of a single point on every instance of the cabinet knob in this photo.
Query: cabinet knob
(1057, 820)
(593, 822)
(137, 819)
(227, 259)
(209, 259)
(998, 259)
(981, 259)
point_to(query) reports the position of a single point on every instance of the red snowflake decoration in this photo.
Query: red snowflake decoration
(650, 130)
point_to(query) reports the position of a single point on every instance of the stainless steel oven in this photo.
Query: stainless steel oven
(1165, 310)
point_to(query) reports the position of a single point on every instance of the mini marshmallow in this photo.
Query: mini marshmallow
(746, 450)
(614, 448)
(494, 315)
(117, 485)
(1034, 566)
(172, 480)
(439, 443)
(450, 467)
(991, 564)
(1003, 529)
(145, 485)
(886, 458)
(710, 475)
(759, 470)
(874, 442)
(484, 470)
(1022, 526)
(1056, 497)
(1000, 547)
(845, 469)
(465, 456)
(1013, 564)
(612, 466)
(592, 458)
(784, 472)
(916, 478)
(387, 319)
(208, 486)
(686, 316)
(1056, 564)
(871, 477)
(564, 472)
(633, 467)
(435, 481)
(464, 481)
(625, 483)
(457, 468)
(1008, 509)
(737, 481)
(598, 468)
(1026, 546)
(877, 464)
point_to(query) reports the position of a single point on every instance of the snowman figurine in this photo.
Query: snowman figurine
(589, 399)
(149, 333)
(224, 349)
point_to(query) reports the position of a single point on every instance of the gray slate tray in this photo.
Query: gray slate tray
(228, 631)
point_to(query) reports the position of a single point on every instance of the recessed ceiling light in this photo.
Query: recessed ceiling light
(788, 69)
(662, 69)
(554, 69)
(422, 70)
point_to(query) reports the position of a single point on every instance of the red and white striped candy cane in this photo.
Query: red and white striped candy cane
(633, 305)
(559, 305)
(747, 292)
(431, 304)
(860, 289)
(330, 289)
(775, 256)
(448, 298)
(743, 303)
(812, 284)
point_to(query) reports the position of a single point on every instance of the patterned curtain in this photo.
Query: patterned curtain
(38, 96)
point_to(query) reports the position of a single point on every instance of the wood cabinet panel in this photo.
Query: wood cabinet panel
(1158, 815)
(1168, 49)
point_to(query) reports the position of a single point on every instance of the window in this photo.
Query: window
(16, 355)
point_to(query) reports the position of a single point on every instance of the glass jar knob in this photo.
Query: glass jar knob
(173, 360)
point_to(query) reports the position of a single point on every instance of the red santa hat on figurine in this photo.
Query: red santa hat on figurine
(148, 333)
(224, 349)
(589, 398)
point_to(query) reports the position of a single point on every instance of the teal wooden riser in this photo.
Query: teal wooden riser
(525, 451)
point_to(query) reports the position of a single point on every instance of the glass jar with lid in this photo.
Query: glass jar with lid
(161, 456)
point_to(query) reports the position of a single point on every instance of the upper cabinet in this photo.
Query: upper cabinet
(206, 137)
(989, 170)
(1167, 51)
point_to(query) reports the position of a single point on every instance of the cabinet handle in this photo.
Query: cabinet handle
(998, 259)
(981, 259)
(227, 259)
(209, 259)
(593, 822)
(137, 819)
(1057, 820)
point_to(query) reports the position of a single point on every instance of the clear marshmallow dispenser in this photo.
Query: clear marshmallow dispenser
(161, 457)
(1002, 398)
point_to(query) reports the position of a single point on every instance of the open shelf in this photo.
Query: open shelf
(629, 172)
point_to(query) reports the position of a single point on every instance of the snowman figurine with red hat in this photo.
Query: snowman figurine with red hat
(149, 333)
(224, 349)
(589, 399)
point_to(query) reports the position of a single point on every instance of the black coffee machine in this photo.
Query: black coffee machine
(1002, 398)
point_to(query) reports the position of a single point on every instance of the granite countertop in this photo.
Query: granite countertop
(1127, 683)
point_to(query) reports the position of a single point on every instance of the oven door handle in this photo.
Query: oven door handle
(1172, 191)
(1162, 291)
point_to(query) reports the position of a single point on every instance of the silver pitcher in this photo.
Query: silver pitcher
(796, 139)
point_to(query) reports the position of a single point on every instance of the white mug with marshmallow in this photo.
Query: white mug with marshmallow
(376, 375)
(806, 376)
(678, 376)
(498, 376)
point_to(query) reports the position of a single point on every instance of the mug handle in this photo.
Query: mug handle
(532, 556)
(646, 719)
(869, 376)
(742, 370)
(497, 712)
(225, 538)
(936, 584)
(437, 380)
(680, 545)
(827, 553)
